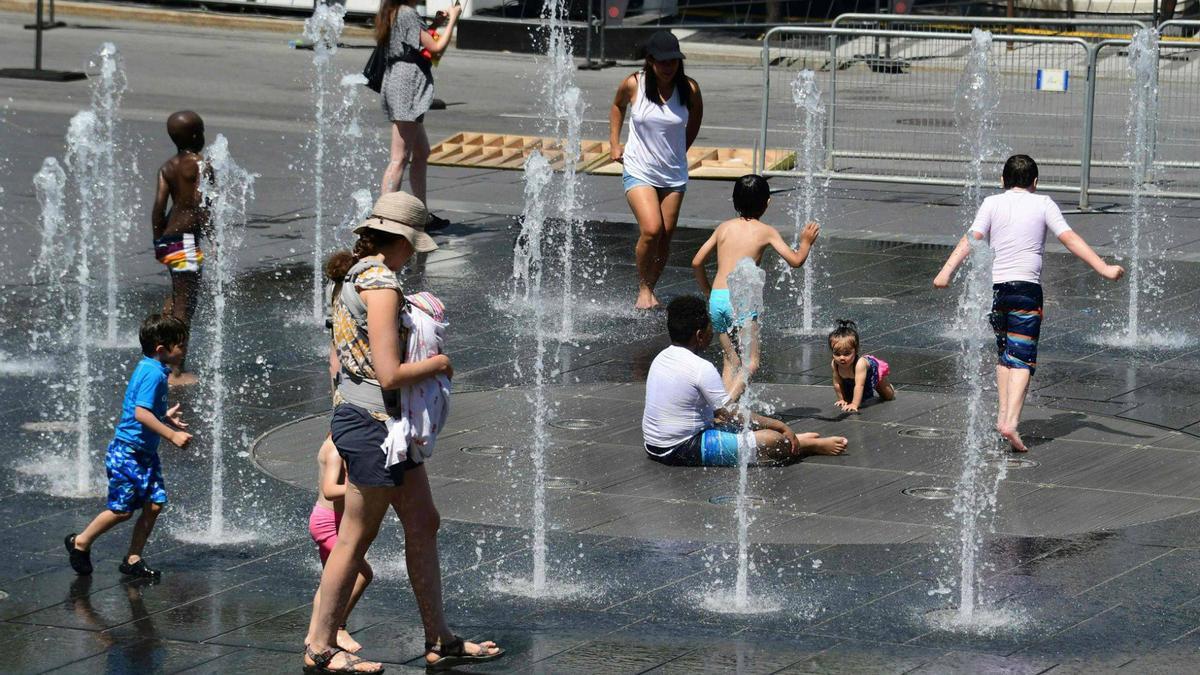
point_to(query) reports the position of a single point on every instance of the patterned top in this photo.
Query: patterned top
(407, 91)
(350, 332)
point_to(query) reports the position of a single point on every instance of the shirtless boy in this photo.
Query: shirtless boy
(177, 230)
(743, 237)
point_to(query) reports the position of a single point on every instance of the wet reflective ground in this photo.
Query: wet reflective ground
(853, 576)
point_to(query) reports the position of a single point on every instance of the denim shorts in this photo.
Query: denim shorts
(630, 182)
(358, 437)
(1017, 322)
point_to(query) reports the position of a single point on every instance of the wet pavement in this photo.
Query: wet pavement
(1090, 567)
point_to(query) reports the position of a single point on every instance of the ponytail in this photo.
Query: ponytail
(846, 330)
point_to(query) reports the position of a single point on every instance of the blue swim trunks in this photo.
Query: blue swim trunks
(720, 312)
(134, 478)
(1017, 322)
(712, 447)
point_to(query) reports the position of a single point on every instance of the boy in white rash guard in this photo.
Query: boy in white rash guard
(1015, 224)
(689, 417)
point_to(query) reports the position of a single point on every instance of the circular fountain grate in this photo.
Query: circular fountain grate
(51, 427)
(577, 423)
(928, 432)
(868, 301)
(486, 450)
(929, 492)
(754, 501)
(1013, 462)
(560, 483)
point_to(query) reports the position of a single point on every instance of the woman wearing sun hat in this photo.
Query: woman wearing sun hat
(665, 118)
(369, 347)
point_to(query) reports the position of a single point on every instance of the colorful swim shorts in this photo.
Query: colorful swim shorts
(1017, 322)
(720, 312)
(179, 253)
(134, 478)
(712, 447)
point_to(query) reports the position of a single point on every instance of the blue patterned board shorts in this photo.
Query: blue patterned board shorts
(712, 447)
(134, 478)
(1017, 322)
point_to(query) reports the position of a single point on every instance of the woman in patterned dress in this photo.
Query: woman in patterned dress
(407, 91)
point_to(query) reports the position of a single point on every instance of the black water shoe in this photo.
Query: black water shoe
(139, 570)
(81, 561)
(436, 223)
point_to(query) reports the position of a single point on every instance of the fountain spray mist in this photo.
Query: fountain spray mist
(117, 212)
(563, 114)
(226, 194)
(746, 283)
(50, 184)
(1141, 124)
(323, 29)
(84, 155)
(809, 203)
(528, 268)
(975, 497)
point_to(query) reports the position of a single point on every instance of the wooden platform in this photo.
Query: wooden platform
(508, 151)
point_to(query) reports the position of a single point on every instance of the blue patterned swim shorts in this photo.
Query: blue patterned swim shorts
(1017, 322)
(134, 478)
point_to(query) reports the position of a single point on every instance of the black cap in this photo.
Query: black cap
(663, 46)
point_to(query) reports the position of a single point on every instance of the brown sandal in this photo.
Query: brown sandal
(453, 653)
(321, 661)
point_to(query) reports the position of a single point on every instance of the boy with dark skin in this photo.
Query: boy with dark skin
(177, 230)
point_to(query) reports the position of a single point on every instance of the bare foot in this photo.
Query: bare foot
(1013, 438)
(346, 642)
(181, 379)
(646, 299)
(830, 445)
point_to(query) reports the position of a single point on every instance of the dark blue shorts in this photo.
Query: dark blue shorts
(359, 439)
(1017, 322)
(134, 478)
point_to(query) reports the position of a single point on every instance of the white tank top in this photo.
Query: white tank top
(656, 151)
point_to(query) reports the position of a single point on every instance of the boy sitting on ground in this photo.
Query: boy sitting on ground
(690, 419)
(135, 478)
(743, 237)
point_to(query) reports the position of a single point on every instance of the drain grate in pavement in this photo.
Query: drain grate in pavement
(560, 483)
(754, 501)
(929, 492)
(868, 301)
(50, 427)
(576, 423)
(928, 432)
(486, 450)
(937, 122)
(1013, 462)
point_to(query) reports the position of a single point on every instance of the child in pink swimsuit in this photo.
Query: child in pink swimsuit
(323, 525)
(856, 377)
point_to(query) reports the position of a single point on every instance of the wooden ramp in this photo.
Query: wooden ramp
(509, 151)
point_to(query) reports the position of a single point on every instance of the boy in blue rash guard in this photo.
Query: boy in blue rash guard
(134, 472)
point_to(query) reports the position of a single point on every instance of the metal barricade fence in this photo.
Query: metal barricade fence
(890, 96)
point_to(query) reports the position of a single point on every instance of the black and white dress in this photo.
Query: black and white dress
(407, 88)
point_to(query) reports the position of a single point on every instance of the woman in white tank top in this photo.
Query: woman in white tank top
(664, 120)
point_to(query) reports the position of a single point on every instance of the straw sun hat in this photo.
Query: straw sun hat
(403, 214)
